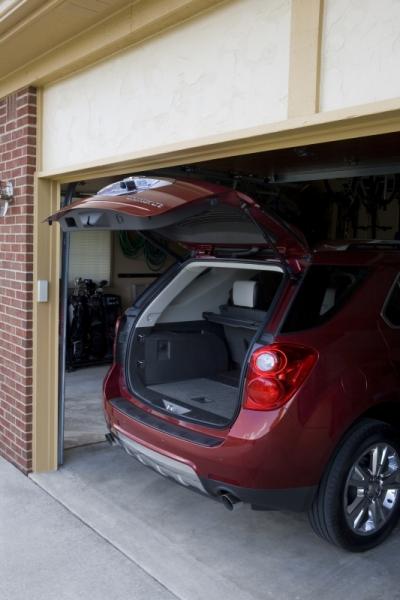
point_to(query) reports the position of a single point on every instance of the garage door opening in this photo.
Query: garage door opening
(103, 273)
(347, 191)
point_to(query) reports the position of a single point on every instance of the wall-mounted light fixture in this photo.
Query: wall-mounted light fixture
(6, 196)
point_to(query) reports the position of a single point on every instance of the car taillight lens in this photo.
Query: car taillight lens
(275, 373)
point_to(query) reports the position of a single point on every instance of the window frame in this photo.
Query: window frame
(331, 313)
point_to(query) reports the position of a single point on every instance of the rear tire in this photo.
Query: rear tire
(357, 504)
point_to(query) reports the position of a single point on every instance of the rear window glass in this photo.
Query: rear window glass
(268, 283)
(392, 308)
(322, 293)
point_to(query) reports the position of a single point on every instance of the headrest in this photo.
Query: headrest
(244, 293)
(328, 301)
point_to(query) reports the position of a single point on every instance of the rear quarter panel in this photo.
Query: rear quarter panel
(354, 371)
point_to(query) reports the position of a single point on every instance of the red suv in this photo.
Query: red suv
(256, 370)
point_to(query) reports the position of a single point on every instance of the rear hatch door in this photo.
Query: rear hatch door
(199, 215)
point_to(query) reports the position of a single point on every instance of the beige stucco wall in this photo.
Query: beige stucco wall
(220, 72)
(360, 52)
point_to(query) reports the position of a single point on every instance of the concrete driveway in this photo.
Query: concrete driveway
(196, 550)
(46, 553)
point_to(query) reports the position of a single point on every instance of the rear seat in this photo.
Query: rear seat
(240, 319)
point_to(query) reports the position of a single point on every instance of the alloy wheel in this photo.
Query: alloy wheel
(372, 489)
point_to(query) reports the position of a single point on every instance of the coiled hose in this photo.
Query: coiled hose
(132, 245)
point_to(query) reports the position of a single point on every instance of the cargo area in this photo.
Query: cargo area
(190, 344)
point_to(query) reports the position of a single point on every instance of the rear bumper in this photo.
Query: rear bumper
(261, 451)
(293, 499)
(164, 465)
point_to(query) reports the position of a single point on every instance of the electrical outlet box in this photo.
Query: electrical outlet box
(42, 290)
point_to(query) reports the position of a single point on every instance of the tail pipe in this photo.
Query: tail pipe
(230, 501)
(111, 439)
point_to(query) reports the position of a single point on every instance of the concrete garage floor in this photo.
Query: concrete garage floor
(197, 550)
(84, 420)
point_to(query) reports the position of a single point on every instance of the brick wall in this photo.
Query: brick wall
(17, 163)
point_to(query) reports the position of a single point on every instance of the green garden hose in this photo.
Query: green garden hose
(132, 245)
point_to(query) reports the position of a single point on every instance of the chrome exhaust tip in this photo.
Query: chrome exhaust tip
(111, 439)
(231, 502)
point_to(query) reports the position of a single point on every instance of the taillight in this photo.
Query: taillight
(275, 373)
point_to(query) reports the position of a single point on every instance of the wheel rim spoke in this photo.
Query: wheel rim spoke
(378, 455)
(358, 509)
(359, 478)
(376, 513)
(392, 481)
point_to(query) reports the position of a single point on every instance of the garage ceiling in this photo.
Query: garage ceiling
(375, 155)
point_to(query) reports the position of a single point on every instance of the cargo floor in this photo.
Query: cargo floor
(209, 395)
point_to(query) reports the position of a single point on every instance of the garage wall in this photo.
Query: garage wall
(90, 256)
(223, 71)
(17, 163)
(360, 52)
(124, 265)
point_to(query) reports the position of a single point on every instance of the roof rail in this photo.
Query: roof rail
(368, 244)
